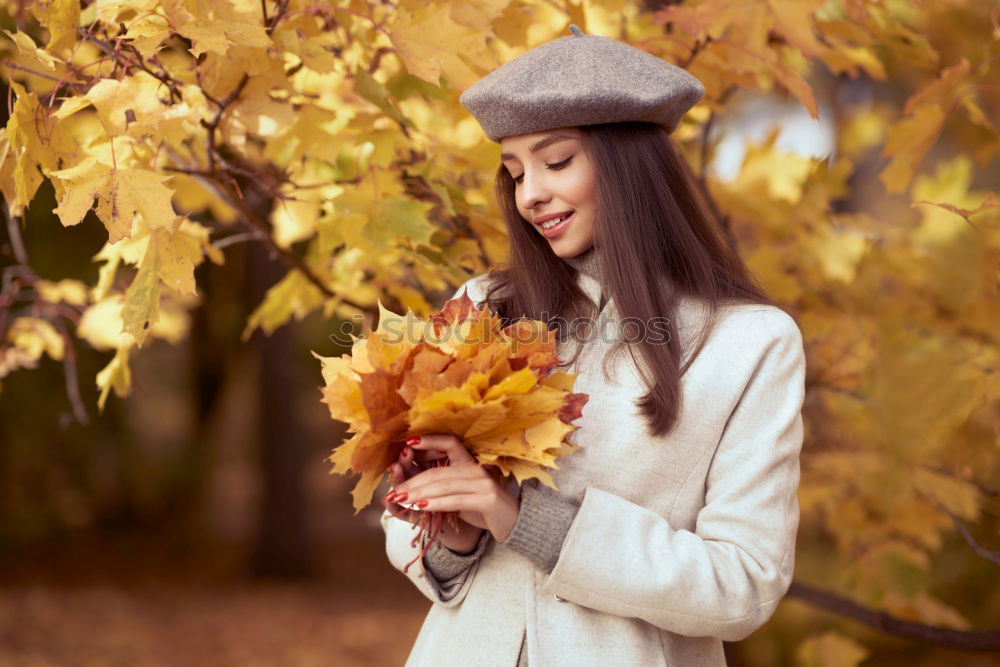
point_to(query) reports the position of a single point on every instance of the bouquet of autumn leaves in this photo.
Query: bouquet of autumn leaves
(459, 373)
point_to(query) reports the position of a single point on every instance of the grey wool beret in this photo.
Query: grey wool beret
(580, 80)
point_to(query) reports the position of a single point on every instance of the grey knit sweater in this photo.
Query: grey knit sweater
(544, 517)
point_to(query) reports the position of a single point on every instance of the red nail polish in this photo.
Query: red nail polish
(421, 503)
(413, 440)
(406, 450)
(401, 497)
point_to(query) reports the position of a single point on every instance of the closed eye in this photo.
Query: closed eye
(555, 167)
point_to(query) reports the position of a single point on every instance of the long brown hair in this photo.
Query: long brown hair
(656, 242)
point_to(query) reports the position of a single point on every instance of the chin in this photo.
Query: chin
(570, 250)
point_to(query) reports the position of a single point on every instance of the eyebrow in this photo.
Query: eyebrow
(539, 145)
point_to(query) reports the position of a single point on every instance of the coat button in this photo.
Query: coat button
(559, 599)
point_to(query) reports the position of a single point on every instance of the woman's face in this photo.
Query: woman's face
(552, 176)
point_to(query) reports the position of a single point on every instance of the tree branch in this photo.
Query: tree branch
(113, 52)
(211, 126)
(287, 256)
(233, 239)
(975, 640)
(273, 22)
(8, 296)
(16, 242)
(72, 379)
(34, 72)
(992, 556)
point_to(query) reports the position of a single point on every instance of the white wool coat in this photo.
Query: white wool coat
(681, 541)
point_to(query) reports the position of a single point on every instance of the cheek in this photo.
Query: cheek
(583, 189)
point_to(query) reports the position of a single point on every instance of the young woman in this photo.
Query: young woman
(674, 525)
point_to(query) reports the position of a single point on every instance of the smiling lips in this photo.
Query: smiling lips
(552, 219)
(555, 229)
(545, 218)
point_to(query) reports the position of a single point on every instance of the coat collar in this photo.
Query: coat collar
(589, 274)
(587, 263)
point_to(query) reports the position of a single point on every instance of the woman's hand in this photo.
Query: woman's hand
(463, 537)
(464, 486)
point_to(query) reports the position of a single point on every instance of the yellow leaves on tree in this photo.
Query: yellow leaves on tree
(739, 42)
(924, 115)
(458, 373)
(120, 194)
(989, 203)
(433, 43)
(36, 142)
(908, 143)
(120, 103)
(61, 18)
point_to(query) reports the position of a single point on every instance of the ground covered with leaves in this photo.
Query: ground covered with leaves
(304, 624)
(124, 606)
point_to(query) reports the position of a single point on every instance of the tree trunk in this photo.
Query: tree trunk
(282, 547)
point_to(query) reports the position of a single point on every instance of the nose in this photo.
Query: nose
(533, 190)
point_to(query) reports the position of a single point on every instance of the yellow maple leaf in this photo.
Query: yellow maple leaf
(431, 44)
(218, 36)
(37, 143)
(164, 258)
(147, 31)
(180, 252)
(120, 194)
(60, 18)
(30, 55)
(110, 11)
(135, 97)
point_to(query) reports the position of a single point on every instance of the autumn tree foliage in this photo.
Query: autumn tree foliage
(331, 132)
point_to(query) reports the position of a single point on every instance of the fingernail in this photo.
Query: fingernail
(406, 451)
(390, 495)
(401, 497)
(421, 503)
(413, 440)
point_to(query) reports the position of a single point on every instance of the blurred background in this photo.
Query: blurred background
(194, 520)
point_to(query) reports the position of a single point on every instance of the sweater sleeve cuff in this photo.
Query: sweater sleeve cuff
(542, 524)
(444, 564)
